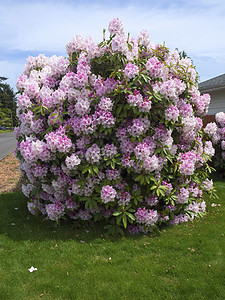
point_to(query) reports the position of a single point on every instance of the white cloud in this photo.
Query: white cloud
(11, 70)
(194, 26)
(48, 26)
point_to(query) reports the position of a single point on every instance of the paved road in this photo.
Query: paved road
(7, 144)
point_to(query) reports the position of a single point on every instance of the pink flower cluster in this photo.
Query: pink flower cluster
(154, 67)
(136, 99)
(55, 211)
(57, 141)
(182, 196)
(172, 113)
(216, 131)
(72, 161)
(131, 70)
(108, 194)
(146, 217)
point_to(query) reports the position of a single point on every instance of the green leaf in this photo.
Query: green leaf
(147, 179)
(90, 203)
(85, 170)
(95, 169)
(90, 170)
(117, 213)
(153, 187)
(112, 165)
(129, 46)
(42, 111)
(162, 192)
(130, 216)
(125, 221)
(157, 96)
(98, 188)
(55, 119)
(158, 150)
(118, 219)
(146, 79)
(138, 177)
(158, 192)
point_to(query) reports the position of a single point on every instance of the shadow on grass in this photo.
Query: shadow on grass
(17, 223)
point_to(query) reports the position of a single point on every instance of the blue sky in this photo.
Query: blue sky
(31, 27)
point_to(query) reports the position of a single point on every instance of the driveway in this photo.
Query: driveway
(7, 144)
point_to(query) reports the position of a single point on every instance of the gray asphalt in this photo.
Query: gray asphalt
(7, 144)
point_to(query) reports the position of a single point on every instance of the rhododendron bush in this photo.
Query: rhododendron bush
(113, 132)
(216, 130)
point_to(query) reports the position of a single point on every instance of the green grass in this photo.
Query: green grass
(5, 131)
(183, 262)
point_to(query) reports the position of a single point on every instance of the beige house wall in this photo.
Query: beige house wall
(217, 103)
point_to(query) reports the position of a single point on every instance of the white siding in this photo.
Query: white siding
(217, 103)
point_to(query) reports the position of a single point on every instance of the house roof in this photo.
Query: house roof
(215, 83)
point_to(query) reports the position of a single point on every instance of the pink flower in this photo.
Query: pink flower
(116, 27)
(104, 118)
(108, 194)
(145, 106)
(105, 104)
(148, 218)
(154, 67)
(123, 198)
(109, 150)
(113, 174)
(31, 88)
(150, 164)
(58, 97)
(92, 154)
(220, 119)
(172, 113)
(135, 98)
(131, 70)
(55, 211)
(152, 200)
(24, 102)
(183, 196)
(60, 142)
(82, 107)
(211, 128)
(72, 161)
(187, 167)
(138, 127)
(208, 149)
(142, 151)
(21, 82)
(119, 44)
(80, 79)
(76, 44)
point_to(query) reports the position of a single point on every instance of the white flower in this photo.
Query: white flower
(32, 269)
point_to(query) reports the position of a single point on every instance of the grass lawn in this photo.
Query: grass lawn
(5, 131)
(183, 262)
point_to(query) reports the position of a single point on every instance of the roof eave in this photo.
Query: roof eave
(207, 90)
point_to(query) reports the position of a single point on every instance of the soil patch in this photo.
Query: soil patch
(10, 176)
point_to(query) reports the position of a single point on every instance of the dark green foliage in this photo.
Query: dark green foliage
(7, 104)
